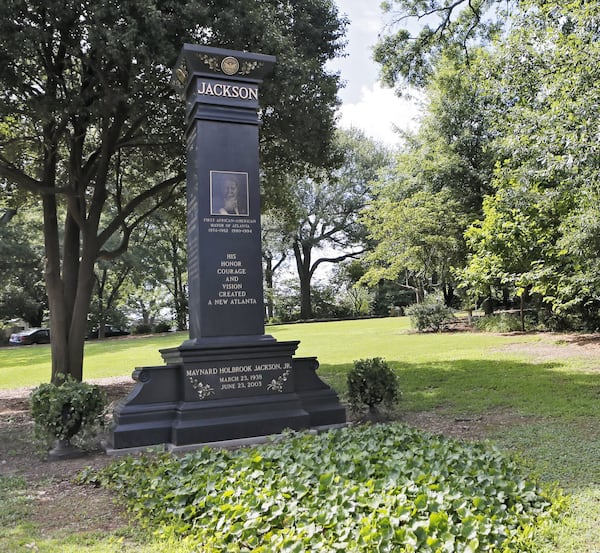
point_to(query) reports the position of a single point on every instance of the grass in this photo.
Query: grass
(336, 344)
(14, 502)
(30, 365)
(551, 402)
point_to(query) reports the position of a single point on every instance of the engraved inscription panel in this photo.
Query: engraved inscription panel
(219, 380)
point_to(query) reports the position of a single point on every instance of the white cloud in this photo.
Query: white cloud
(378, 111)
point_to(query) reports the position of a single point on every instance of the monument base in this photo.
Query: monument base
(214, 394)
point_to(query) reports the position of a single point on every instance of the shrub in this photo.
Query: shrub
(430, 315)
(557, 322)
(358, 300)
(64, 410)
(501, 322)
(162, 326)
(142, 328)
(372, 382)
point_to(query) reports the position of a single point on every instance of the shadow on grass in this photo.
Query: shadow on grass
(550, 416)
(561, 451)
(476, 386)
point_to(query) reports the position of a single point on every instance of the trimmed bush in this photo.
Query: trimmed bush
(142, 328)
(371, 383)
(62, 411)
(501, 322)
(162, 326)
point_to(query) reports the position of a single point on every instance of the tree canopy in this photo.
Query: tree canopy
(421, 32)
(422, 207)
(541, 79)
(22, 290)
(511, 131)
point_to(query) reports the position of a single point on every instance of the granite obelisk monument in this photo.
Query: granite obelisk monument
(230, 380)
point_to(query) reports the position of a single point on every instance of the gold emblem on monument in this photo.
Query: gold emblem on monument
(180, 77)
(230, 65)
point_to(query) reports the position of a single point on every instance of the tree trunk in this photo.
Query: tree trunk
(522, 311)
(306, 312)
(78, 322)
(100, 284)
(67, 325)
(69, 286)
(448, 291)
(270, 310)
(145, 315)
(506, 302)
(55, 291)
(179, 299)
(419, 294)
(302, 253)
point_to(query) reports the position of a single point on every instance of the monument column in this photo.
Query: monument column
(221, 91)
(229, 380)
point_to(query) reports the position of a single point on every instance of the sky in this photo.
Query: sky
(366, 104)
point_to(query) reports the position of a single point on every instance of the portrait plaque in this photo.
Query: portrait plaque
(229, 193)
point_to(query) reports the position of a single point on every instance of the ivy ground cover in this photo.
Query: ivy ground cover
(366, 488)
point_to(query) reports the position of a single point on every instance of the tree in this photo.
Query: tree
(420, 234)
(177, 283)
(89, 123)
(159, 277)
(439, 178)
(509, 241)
(327, 207)
(300, 101)
(445, 28)
(536, 230)
(534, 89)
(570, 280)
(451, 149)
(110, 277)
(276, 246)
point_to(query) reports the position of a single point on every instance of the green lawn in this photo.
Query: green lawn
(542, 402)
(336, 344)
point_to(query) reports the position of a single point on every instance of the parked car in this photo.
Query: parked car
(109, 331)
(30, 336)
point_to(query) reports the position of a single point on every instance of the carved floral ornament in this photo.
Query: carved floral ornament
(277, 383)
(229, 65)
(203, 389)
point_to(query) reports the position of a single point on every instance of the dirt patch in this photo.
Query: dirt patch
(560, 346)
(467, 427)
(87, 509)
(59, 505)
